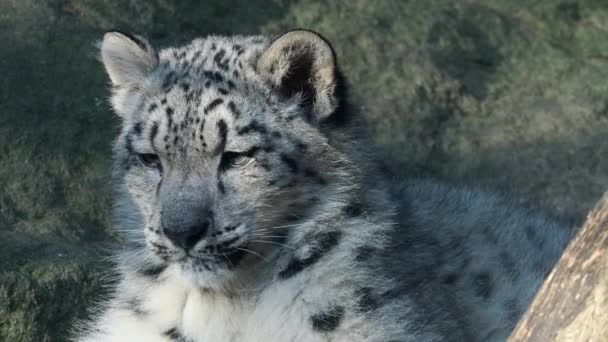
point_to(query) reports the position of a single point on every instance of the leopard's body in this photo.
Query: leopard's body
(254, 211)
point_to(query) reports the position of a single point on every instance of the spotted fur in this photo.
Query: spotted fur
(254, 211)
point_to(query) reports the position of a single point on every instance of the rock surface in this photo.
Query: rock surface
(506, 94)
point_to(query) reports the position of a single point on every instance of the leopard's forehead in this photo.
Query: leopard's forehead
(223, 61)
(205, 95)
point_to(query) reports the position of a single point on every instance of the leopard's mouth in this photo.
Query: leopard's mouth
(211, 271)
(227, 258)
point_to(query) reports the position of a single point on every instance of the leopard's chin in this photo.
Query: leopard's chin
(211, 272)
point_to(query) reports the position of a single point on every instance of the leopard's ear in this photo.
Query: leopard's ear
(302, 64)
(128, 60)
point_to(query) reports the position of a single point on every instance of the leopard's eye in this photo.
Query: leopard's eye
(233, 159)
(149, 160)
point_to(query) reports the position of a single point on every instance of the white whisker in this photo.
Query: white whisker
(273, 242)
(254, 253)
(228, 259)
(268, 236)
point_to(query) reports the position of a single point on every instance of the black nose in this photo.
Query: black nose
(187, 236)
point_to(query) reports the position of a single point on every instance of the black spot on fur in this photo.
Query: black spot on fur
(254, 127)
(174, 335)
(169, 111)
(137, 128)
(327, 321)
(129, 144)
(366, 301)
(153, 132)
(213, 76)
(152, 107)
(482, 283)
(196, 55)
(291, 163)
(135, 305)
(223, 134)
(212, 105)
(302, 147)
(219, 59)
(353, 209)
(220, 185)
(239, 49)
(325, 242)
(232, 108)
(312, 174)
(169, 80)
(222, 91)
(153, 271)
(451, 279)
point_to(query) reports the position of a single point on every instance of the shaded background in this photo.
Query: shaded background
(501, 93)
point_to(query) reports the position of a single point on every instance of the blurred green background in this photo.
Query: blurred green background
(509, 94)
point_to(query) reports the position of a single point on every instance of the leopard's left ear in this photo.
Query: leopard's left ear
(302, 64)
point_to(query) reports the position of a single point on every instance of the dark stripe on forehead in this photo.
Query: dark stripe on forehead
(232, 108)
(222, 134)
(212, 105)
(153, 132)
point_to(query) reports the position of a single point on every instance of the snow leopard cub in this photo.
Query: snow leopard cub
(254, 212)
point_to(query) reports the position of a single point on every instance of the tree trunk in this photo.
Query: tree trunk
(572, 304)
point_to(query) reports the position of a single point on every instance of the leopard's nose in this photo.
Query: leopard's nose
(187, 235)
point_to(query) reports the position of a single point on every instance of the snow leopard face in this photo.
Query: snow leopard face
(222, 148)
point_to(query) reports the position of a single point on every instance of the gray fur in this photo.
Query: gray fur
(308, 240)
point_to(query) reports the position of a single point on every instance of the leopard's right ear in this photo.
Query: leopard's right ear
(128, 58)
